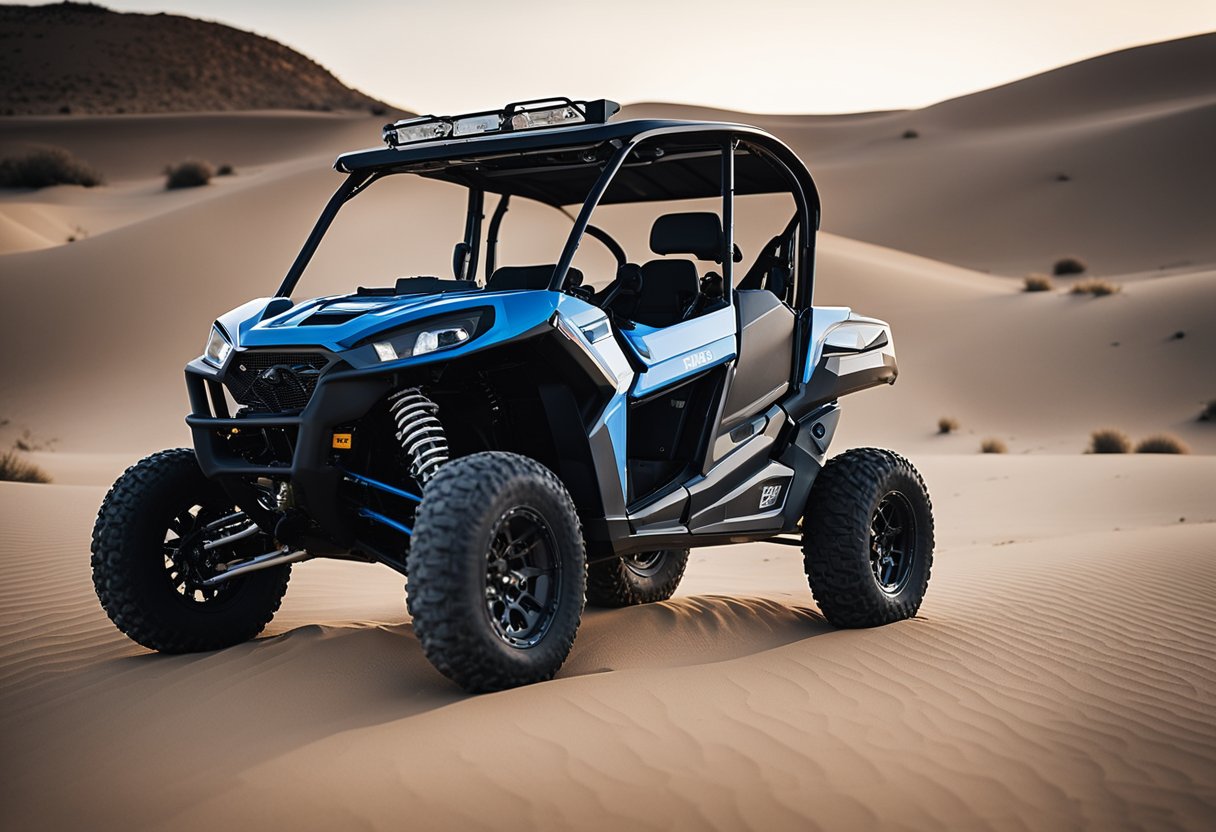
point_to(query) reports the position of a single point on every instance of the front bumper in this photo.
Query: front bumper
(338, 399)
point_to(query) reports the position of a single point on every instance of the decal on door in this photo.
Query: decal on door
(698, 359)
(769, 495)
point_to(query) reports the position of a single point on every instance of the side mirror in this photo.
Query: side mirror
(460, 259)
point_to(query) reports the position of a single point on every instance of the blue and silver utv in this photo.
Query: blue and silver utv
(519, 439)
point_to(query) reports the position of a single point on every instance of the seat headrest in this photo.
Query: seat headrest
(698, 233)
(530, 277)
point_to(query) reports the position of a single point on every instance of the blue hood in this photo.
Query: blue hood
(338, 322)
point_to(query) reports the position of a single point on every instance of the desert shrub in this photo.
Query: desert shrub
(992, 445)
(1037, 283)
(191, 173)
(910, 134)
(1208, 414)
(1063, 177)
(15, 469)
(1162, 443)
(1109, 441)
(225, 170)
(1096, 287)
(1068, 265)
(947, 424)
(46, 166)
(28, 442)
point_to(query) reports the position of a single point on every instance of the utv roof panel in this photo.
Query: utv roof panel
(558, 166)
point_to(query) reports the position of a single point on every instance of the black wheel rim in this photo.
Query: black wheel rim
(187, 561)
(523, 577)
(645, 564)
(892, 542)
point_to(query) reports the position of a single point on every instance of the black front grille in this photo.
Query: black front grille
(274, 381)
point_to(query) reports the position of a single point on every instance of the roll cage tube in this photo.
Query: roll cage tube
(799, 181)
(472, 233)
(731, 143)
(804, 279)
(351, 185)
(728, 217)
(584, 215)
(500, 211)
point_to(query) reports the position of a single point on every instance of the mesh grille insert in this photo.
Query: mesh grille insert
(274, 381)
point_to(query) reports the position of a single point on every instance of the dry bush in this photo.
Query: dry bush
(191, 173)
(28, 442)
(46, 166)
(992, 445)
(1208, 414)
(15, 469)
(1037, 283)
(910, 134)
(1068, 265)
(947, 424)
(1162, 443)
(1109, 441)
(225, 170)
(1096, 287)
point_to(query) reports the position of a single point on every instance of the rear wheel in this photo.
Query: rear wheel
(154, 549)
(636, 579)
(868, 539)
(496, 572)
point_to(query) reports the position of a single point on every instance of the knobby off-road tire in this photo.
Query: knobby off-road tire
(130, 574)
(867, 539)
(636, 579)
(497, 572)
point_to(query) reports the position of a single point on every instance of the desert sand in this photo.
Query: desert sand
(1061, 673)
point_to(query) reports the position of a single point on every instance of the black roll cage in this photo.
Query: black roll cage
(729, 138)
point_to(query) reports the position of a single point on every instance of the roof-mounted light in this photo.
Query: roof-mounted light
(522, 115)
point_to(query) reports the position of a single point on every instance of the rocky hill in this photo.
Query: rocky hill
(83, 58)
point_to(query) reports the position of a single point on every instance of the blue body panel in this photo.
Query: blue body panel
(515, 312)
(681, 350)
(669, 354)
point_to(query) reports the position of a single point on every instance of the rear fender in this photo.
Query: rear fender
(851, 354)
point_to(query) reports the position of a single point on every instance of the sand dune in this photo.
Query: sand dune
(1052, 680)
(1058, 373)
(1061, 673)
(978, 186)
(1040, 371)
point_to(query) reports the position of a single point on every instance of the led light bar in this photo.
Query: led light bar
(522, 115)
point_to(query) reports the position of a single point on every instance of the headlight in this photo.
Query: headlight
(217, 349)
(440, 334)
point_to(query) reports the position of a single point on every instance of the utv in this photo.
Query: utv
(519, 439)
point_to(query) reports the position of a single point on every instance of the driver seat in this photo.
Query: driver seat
(670, 288)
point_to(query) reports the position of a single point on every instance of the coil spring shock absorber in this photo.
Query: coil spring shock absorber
(420, 432)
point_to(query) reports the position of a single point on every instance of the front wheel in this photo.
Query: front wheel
(496, 572)
(156, 543)
(867, 539)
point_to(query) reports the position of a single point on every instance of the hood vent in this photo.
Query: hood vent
(331, 317)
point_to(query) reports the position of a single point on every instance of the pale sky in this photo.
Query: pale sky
(815, 56)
